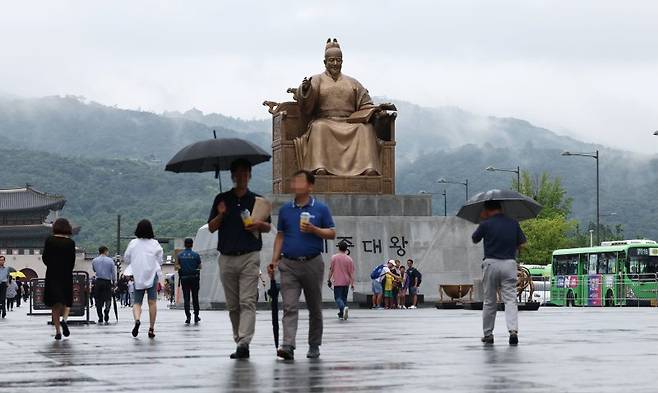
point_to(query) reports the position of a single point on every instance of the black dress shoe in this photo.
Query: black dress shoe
(196, 319)
(241, 352)
(187, 320)
(58, 336)
(488, 339)
(286, 353)
(135, 331)
(65, 329)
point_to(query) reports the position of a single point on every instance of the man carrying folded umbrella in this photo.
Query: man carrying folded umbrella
(239, 244)
(502, 238)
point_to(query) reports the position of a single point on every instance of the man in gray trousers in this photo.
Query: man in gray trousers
(304, 224)
(239, 249)
(502, 238)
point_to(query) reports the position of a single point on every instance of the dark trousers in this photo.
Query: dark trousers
(19, 295)
(103, 295)
(3, 297)
(10, 303)
(340, 295)
(190, 286)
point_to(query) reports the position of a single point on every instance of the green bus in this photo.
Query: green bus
(616, 273)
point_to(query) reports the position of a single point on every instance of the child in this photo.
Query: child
(12, 290)
(388, 289)
(389, 278)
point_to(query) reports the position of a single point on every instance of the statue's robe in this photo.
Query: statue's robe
(330, 142)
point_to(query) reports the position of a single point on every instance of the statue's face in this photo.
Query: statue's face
(333, 61)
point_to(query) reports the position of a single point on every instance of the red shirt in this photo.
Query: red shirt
(342, 267)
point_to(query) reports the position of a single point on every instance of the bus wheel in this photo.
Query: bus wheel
(571, 301)
(609, 299)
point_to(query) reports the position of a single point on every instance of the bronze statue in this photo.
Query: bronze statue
(340, 140)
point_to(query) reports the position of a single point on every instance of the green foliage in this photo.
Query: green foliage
(98, 190)
(549, 193)
(550, 230)
(545, 235)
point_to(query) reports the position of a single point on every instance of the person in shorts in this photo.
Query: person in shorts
(143, 258)
(377, 290)
(388, 280)
(414, 282)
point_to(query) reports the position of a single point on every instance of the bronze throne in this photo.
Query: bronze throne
(288, 123)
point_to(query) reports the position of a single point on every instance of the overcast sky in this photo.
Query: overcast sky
(584, 68)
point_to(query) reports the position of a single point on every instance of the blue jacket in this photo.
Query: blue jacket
(189, 262)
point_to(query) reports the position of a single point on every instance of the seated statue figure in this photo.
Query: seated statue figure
(339, 140)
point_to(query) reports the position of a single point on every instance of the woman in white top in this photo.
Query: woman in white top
(143, 258)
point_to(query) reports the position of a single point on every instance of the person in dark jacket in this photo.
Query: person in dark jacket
(189, 267)
(59, 258)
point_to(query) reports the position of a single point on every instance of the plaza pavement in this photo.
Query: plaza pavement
(424, 350)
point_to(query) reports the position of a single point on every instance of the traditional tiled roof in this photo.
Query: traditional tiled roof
(27, 198)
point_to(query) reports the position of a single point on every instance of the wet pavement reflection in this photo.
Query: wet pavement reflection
(565, 350)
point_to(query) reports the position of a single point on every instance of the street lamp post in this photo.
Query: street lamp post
(445, 203)
(517, 171)
(465, 184)
(595, 156)
(445, 199)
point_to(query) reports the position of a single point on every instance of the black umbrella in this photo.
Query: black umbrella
(514, 205)
(114, 302)
(214, 155)
(274, 298)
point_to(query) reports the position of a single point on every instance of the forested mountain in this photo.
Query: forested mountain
(109, 161)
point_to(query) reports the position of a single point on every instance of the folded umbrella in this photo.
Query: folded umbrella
(514, 205)
(114, 303)
(274, 298)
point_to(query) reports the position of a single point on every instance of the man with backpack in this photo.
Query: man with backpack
(377, 275)
(415, 278)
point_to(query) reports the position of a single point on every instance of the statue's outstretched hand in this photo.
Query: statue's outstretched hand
(306, 84)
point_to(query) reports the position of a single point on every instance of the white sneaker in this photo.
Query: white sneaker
(346, 312)
(412, 307)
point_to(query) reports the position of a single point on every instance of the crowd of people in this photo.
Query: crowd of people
(394, 286)
(297, 263)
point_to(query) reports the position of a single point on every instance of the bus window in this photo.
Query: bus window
(564, 265)
(593, 262)
(607, 263)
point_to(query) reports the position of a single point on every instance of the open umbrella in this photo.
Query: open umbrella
(17, 275)
(215, 155)
(274, 298)
(514, 205)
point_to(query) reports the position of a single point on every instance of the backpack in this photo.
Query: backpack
(377, 272)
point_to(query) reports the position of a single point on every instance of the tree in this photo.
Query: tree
(548, 192)
(551, 230)
(545, 235)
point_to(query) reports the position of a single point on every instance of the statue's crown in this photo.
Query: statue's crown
(331, 44)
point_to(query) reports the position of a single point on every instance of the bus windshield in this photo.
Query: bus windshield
(643, 261)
